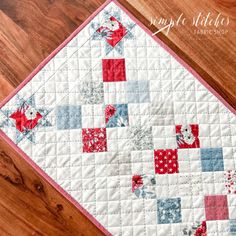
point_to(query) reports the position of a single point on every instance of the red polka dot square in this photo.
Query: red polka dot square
(166, 161)
(94, 140)
(113, 70)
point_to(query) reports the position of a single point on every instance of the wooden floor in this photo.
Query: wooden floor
(29, 31)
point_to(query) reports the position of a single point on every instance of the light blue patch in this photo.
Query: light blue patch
(212, 159)
(120, 118)
(137, 91)
(68, 117)
(169, 211)
(232, 227)
(26, 134)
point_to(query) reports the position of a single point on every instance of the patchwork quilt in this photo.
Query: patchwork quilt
(128, 132)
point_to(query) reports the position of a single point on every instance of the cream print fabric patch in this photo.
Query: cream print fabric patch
(129, 133)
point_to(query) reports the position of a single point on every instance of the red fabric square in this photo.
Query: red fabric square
(113, 31)
(166, 161)
(94, 140)
(187, 136)
(216, 207)
(113, 70)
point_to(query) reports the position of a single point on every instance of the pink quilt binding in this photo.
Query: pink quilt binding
(46, 60)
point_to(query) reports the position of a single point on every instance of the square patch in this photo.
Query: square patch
(137, 91)
(216, 207)
(166, 161)
(143, 186)
(169, 211)
(94, 140)
(113, 70)
(230, 181)
(68, 117)
(187, 136)
(116, 115)
(91, 92)
(141, 138)
(212, 159)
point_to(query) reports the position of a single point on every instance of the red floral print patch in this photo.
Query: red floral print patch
(187, 136)
(113, 31)
(230, 181)
(26, 118)
(195, 229)
(94, 140)
(113, 70)
(109, 112)
(137, 182)
(201, 230)
(166, 161)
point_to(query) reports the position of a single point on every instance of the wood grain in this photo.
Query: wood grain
(34, 206)
(29, 31)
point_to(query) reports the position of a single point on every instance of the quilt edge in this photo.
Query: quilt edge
(54, 184)
(48, 58)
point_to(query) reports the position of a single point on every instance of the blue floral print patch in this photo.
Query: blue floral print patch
(169, 210)
(232, 227)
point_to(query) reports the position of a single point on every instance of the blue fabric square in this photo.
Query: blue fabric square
(68, 117)
(232, 227)
(120, 117)
(212, 159)
(137, 91)
(169, 211)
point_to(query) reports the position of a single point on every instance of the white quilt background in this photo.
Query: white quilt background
(102, 181)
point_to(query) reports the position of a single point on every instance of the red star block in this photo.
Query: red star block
(94, 140)
(26, 118)
(113, 31)
(113, 70)
(166, 161)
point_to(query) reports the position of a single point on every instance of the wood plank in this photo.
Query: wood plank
(6, 87)
(44, 30)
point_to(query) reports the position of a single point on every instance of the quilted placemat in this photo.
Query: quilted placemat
(127, 132)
